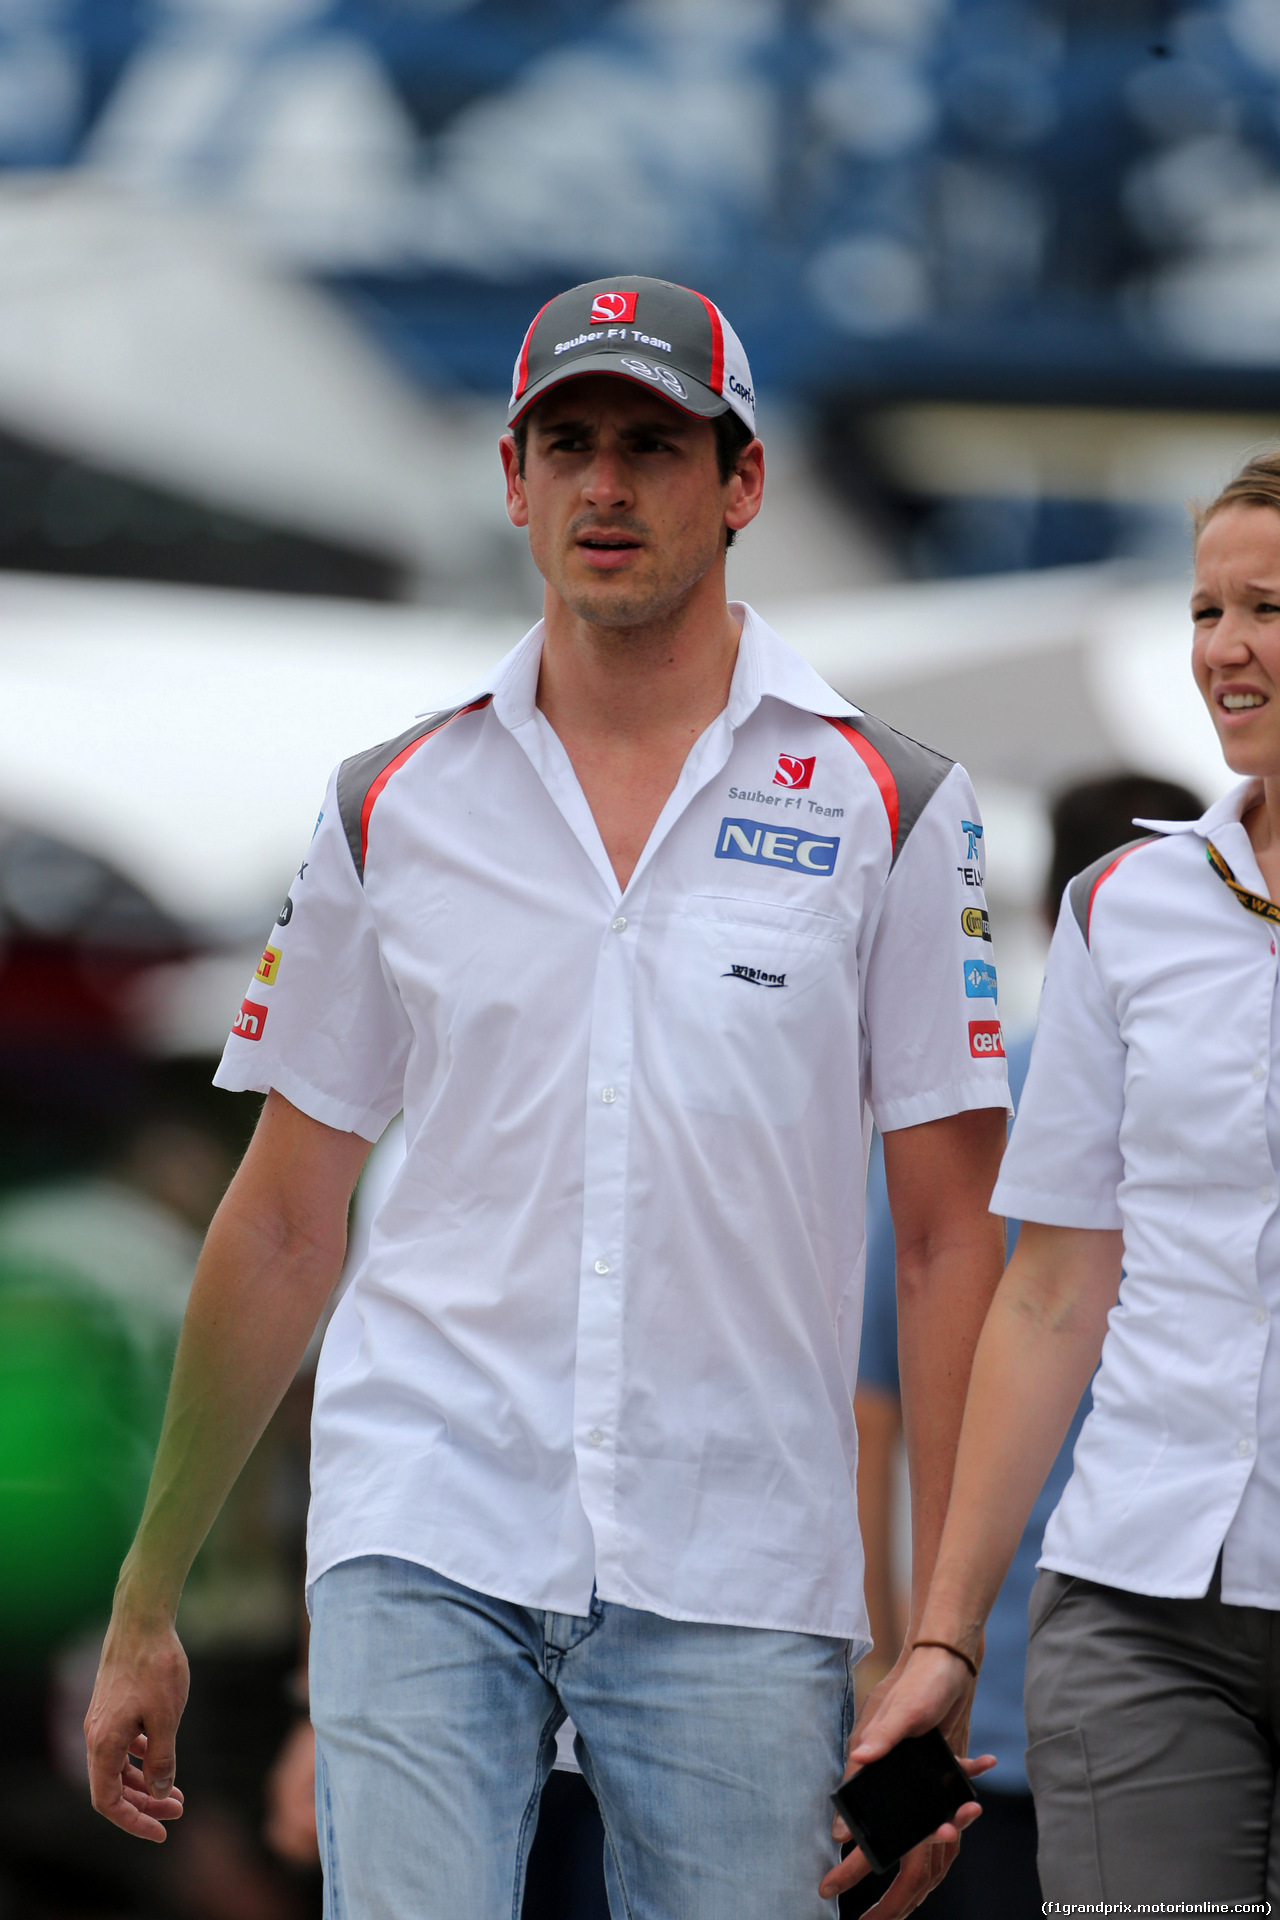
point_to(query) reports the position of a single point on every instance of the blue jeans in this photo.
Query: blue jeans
(711, 1751)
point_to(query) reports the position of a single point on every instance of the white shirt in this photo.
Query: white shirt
(607, 1330)
(1153, 1104)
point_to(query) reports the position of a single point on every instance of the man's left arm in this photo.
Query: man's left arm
(950, 1258)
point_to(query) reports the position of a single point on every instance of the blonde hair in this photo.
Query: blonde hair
(1256, 485)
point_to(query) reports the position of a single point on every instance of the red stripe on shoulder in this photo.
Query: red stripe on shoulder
(877, 766)
(1106, 874)
(393, 766)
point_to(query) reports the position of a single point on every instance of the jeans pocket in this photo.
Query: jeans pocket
(1067, 1850)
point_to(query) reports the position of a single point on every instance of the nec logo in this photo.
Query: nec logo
(250, 1020)
(792, 771)
(985, 1039)
(607, 307)
(776, 847)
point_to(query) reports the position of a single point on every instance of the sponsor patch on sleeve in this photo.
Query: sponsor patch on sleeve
(269, 966)
(979, 980)
(250, 1020)
(976, 922)
(986, 1039)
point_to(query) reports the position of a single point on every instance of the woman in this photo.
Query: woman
(1145, 1164)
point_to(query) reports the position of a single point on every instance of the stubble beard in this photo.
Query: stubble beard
(622, 607)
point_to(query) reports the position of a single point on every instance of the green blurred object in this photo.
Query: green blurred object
(80, 1412)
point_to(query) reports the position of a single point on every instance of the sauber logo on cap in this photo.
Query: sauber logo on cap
(791, 771)
(612, 307)
(985, 1039)
(250, 1020)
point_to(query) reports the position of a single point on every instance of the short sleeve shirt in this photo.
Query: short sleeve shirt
(606, 1332)
(1152, 1104)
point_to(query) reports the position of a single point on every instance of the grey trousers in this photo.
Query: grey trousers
(1154, 1744)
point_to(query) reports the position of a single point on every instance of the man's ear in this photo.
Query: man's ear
(746, 487)
(517, 500)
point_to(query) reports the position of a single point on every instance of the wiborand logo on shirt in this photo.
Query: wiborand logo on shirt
(755, 976)
(766, 846)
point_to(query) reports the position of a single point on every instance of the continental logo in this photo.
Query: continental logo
(976, 922)
(268, 967)
(766, 846)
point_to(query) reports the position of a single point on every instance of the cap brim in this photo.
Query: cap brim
(698, 400)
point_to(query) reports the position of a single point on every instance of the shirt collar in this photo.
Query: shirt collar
(1229, 811)
(766, 667)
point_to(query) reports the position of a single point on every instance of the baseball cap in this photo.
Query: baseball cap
(667, 338)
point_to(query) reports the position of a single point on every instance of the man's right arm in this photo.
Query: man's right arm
(270, 1262)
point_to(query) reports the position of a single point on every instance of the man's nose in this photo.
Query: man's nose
(606, 482)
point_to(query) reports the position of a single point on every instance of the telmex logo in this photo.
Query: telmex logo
(776, 847)
(976, 922)
(985, 1039)
(250, 1020)
(612, 307)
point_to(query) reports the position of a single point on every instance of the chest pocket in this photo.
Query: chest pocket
(751, 997)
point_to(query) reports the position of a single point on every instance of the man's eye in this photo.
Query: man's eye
(1201, 614)
(1268, 606)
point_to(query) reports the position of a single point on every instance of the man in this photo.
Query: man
(632, 937)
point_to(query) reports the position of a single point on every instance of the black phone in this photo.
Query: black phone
(899, 1800)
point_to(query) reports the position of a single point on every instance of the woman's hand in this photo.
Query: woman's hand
(927, 1688)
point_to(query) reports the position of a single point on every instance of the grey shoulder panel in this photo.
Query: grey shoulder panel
(362, 777)
(917, 771)
(1086, 884)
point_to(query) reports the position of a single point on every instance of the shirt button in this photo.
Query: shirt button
(608, 1095)
(595, 1438)
(621, 922)
(1244, 1448)
(602, 1266)
(1259, 1071)
(1260, 1316)
(1266, 1194)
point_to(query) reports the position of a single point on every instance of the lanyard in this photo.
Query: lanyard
(1253, 902)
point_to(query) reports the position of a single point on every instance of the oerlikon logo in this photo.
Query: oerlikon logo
(250, 1020)
(609, 308)
(792, 771)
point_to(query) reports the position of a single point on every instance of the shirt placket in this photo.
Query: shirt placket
(603, 1268)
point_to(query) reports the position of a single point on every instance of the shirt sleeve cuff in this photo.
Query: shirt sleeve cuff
(960, 1096)
(1014, 1202)
(262, 1076)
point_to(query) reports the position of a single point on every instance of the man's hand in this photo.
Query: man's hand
(131, 1727)
(927, 1688)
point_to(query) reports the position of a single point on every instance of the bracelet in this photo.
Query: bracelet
(947, 1647)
